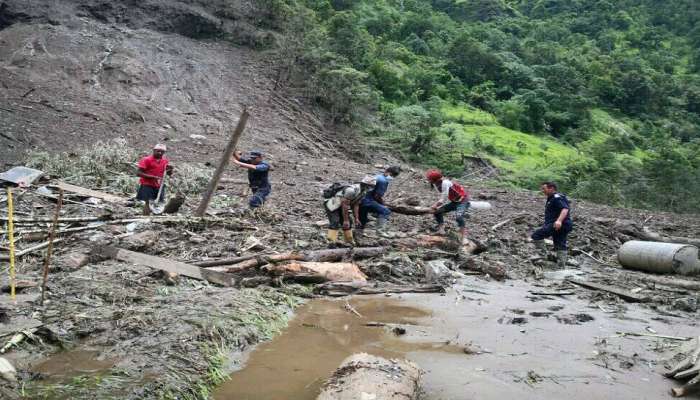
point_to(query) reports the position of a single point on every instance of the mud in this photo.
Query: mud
(465, 351)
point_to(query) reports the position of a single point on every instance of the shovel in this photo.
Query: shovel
(159, 205)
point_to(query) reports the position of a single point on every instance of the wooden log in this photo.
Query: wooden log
(110, 198)
(338, 289)
(649, 235)
(223, 162)
(320, 271)
(672, 282)
(328, 255)
(621, 293)
(225, 261)
(163, 264)
(364, 376)
(410, 210)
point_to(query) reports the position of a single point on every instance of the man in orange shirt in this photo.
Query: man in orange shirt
(152, 170)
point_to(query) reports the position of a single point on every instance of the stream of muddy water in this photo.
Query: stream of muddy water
(482, 340)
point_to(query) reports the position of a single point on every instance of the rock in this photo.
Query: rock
(7, 371)
(253, 243)
(75, 260)
(196, 239)
(197, 137)
(437, 271)
(140, 241)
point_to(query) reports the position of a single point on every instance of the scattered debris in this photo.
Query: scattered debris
(623, 294)
(688, 367)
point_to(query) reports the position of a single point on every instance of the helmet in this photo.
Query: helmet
(433, 175)
(369, 180)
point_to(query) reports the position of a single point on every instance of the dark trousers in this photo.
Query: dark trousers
(259, 196)
(559, 237)
(336, 218)
(460, 210)
(373, 206)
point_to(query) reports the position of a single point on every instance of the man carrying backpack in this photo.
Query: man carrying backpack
(557, 223)
(453, 197)
(340, 199)
(373, 202)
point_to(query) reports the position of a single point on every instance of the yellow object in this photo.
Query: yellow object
(332, 235)
(348, 236)
(11, 235)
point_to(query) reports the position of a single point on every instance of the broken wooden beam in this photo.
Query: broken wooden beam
(621, 293)
(163, 264)
(317, 272)
(110, 198)
(30, 250)
(410, 210)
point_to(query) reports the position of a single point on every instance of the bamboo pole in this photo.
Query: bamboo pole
(49, 250)
(214, 182)
(11, 234)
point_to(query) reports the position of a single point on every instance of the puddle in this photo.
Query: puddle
(323, 333)
(69, 364)
(578, 361)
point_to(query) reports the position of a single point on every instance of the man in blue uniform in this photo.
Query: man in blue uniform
(557, 223)
(258, 179)
(373, 202)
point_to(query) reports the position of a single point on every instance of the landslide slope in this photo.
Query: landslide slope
(75, 72)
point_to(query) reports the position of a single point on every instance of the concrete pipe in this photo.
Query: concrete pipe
(663, 258)
(479, 205)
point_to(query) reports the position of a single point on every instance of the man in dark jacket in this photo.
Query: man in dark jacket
(373, 202)
(557, 223)
(258, 179)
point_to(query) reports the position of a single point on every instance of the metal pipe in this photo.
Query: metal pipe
(663, 258)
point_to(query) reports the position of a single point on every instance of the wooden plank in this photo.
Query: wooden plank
(89, 192)
(164, 264)
(621, 293)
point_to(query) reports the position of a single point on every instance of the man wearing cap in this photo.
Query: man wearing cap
(152, 170)
(258, 179)
(338, 209)
(373, 202)
(452, 197)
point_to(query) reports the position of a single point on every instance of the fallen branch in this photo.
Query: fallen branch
(649, 235)
(225, 261)
(509, 220)
(552, 293)
(621, 293)
(30, 250)
(680, 338)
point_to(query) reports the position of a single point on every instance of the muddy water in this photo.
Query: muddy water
(72, 363)
(528, 346)
(323, 333)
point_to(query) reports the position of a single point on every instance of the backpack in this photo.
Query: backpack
(334, 188)
(457, 193)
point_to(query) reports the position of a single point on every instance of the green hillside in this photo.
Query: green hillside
(603, 96)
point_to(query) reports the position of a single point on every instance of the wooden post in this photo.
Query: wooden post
(11, 235)
(52, 235)
(214, 182)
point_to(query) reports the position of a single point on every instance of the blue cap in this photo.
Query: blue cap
(256, 153)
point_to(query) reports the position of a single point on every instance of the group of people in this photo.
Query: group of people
(364, 198)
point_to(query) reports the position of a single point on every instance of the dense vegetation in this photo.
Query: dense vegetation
(602, 95)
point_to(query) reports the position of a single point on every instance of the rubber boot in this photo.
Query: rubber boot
(562, 256)
(381, 226)
(332, 236)
(540, 246)
(348, 237)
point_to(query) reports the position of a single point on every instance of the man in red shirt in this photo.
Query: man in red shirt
(152, 170)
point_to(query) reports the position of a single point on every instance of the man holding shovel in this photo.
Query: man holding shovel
(152, 170)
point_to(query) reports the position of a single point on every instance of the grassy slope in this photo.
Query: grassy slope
(520, 156)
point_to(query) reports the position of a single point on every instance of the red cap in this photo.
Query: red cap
(433, 175)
